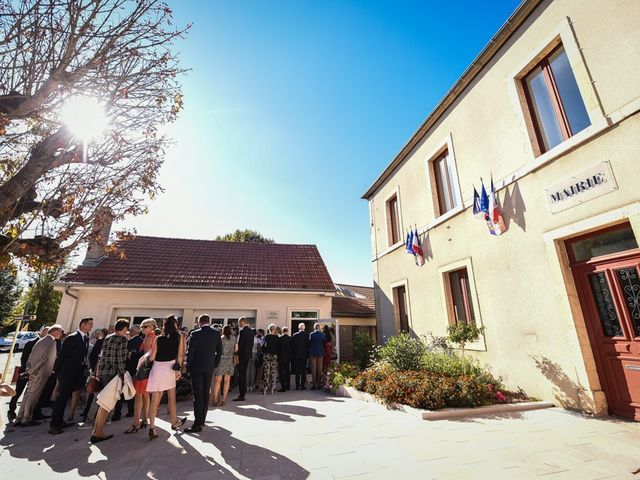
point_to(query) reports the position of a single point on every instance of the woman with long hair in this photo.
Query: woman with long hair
(142, 399)
(225, 367)
(167, 355)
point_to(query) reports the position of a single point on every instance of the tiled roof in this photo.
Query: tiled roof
(355, 301)
(173, 262)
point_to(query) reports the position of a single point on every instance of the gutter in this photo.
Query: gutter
(516, 19)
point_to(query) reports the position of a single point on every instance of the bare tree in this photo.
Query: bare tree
(52, 184)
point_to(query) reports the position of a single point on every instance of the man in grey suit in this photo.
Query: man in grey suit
(38, 370)
(204, 351)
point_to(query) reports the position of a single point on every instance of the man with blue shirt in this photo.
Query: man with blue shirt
(316, 352)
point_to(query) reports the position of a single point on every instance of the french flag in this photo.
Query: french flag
(494, 218)
(408, 245)
(417, 249)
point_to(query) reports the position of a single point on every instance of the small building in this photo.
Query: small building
(549, 113)
(155, 277)
(354, 310)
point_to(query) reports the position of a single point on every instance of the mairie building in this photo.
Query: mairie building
(548, 110)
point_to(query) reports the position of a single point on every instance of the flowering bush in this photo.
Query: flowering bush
(371, 380)
(341, 373)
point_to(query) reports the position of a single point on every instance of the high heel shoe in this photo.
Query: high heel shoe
(144, 425)
(179, 423)
(132, 429)
(152, 433)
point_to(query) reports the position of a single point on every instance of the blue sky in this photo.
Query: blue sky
(293, 108)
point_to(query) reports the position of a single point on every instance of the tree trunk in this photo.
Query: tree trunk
(40, 160)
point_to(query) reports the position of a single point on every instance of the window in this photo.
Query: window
(461, 303)
(393, 225)
(308, 317)
(555, 104)
(446, 183)
(400, 308)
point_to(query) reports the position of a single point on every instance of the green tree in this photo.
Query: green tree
(463, 333)
(45, 301)
(9, 295)
(246, 235)
(363, 347)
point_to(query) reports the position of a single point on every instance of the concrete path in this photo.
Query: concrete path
(313, 435)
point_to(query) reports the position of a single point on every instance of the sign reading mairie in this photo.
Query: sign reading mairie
(585, 186)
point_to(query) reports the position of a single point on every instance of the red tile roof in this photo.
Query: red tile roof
(353, 301)
(174, 262)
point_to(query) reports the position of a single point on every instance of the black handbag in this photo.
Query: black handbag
(144, 371)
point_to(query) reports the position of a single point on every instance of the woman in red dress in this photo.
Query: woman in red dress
(141, 406)
(328, 353)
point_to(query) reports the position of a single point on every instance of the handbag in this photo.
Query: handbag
(94, 385)
(144, 370)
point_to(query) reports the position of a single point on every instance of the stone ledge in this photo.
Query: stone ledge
(445, 413)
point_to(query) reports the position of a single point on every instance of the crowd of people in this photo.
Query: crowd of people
(139, 365)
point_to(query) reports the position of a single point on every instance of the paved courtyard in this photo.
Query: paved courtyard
(315, 435)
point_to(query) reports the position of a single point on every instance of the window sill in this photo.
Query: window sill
(442, 218)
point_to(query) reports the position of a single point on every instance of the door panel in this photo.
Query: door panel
(609, 294)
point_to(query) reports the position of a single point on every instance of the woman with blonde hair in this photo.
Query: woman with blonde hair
(167, 355)
(225, 368)
(142, 399)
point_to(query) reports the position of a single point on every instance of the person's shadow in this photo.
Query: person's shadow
(213, 453)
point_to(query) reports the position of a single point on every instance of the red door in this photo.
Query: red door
(609, 292)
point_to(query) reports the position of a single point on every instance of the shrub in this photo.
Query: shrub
(463, 333)
(341, 373)
(372, 379)
(363, 348)
(403, 352)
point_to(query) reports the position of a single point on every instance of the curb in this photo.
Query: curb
(445, 413)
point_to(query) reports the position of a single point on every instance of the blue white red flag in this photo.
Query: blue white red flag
(417, 249)
(409, 243)
(476, 204)
(484, 203)
(495, 220)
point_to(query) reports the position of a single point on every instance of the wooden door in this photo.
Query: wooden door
(609, 292)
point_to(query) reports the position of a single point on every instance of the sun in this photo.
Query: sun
(85, 117)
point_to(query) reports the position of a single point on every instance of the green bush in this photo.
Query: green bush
(341, 373)
(403, 352)
(372, 379)
(451, 364)
(363, 348)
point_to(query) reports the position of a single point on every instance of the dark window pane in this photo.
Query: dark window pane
(630, 286)
(604, 303)
(461, 296)
(545, 116)
(606, 243)
(569, 93)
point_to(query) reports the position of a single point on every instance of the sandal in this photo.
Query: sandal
(132, 429)
(144, 424)
(180, 422)
(152, 433)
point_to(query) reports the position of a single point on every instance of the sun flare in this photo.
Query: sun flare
(85, 117)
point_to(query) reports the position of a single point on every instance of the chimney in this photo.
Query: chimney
(99, 238)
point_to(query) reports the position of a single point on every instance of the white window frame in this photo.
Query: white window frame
(444, 144)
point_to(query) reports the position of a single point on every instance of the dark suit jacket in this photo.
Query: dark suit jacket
(245, 343)
(95, 354)
(133, 354)
(300, 342)
(204, 350)
(71, 358)
(284, 349)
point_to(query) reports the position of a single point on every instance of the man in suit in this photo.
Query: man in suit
(38, 369)
(245, 347)
(22, 379)
(70, 367)
(300, 353)
(316, 354)
(284, 360)
(203, 356)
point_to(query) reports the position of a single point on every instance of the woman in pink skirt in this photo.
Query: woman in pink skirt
(167, 355)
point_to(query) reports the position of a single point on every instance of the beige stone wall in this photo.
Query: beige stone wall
(535, 336)
(103, 304)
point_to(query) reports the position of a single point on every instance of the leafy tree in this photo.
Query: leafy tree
(463, 333)
(53, 183)
(9, 294)
(246, 235)
(363, 348)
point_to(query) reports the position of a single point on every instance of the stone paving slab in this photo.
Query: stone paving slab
(298, 435)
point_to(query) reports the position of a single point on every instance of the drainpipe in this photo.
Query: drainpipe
(73, 307)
